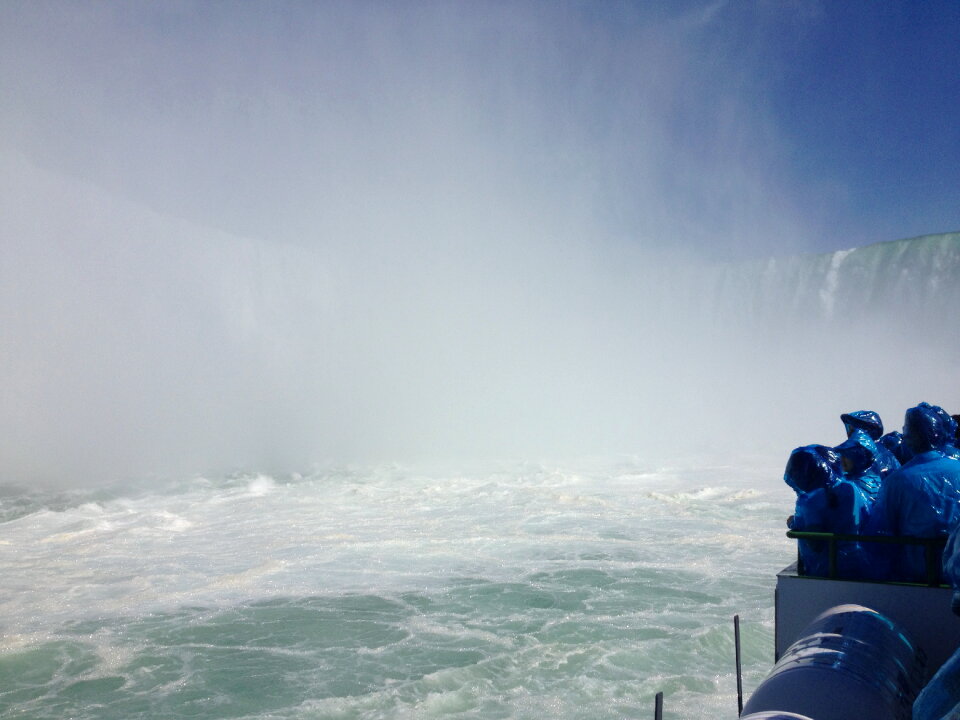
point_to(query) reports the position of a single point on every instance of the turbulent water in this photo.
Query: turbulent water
(526, 591)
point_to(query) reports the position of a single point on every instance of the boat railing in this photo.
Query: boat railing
(933, 549)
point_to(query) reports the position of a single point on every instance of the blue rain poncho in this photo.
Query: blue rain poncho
(951, 568)
(948, 431)
(826, 503)
(869, 422)
(942, 693)
(941, 433)
(859, 454)
(893, 441)
(922, 498)
(940, 698)
(811, 467)
(866, 420)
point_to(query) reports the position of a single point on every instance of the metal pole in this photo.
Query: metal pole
(658, 707)
(736, 645)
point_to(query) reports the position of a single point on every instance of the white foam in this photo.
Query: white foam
(261, 485)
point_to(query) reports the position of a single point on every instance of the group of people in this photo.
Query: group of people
(875, 484)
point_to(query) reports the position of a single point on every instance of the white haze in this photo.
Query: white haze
(265, 235)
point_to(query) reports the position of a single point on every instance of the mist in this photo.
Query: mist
(269, 235)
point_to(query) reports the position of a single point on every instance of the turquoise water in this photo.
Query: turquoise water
(524, 591)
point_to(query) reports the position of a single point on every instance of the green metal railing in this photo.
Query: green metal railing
(933, 549)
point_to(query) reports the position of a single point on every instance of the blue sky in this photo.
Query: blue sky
(866, 95)
(725, 128)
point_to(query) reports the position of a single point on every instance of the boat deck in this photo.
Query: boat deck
(924, 612)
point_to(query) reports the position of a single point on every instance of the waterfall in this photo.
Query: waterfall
(137, 342)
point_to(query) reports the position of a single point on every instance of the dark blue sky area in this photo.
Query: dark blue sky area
(869, 94)
(851, 109)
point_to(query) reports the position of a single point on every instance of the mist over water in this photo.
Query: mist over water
(139, 344)
(237, 238)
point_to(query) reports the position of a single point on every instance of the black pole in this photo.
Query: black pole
(736, 645)
(658, 707)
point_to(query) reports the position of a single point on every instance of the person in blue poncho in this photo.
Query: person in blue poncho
(948, 430)
(858, 455)
(922, 498)
(826, 503)
(869, 422)
(893, 441)
(942, 693)
(951, 567)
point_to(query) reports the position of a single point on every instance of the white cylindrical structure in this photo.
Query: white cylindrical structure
(850, 662)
